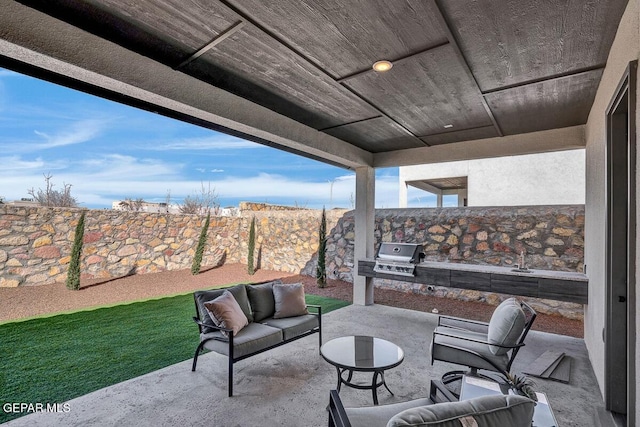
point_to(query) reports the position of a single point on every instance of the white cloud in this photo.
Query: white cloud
(77, 133)
(215, 142)
(98, 181)
(217, 170)
(201, 170)
(11, 164)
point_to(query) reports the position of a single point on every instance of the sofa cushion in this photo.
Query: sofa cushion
(506, 325)
(289, 300)
(240, 294)
(226, 313)
(253, 337)
(261, 299)
(446, 347)
(485, 411)
(293, 326)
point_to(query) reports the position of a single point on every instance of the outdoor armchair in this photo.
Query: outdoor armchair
(489, 346)
(485, 411)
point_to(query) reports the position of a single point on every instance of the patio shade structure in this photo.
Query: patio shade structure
(469, 79)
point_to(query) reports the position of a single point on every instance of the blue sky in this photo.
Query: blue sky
(108, 151)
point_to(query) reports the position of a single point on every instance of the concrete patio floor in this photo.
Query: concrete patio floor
(289, 386)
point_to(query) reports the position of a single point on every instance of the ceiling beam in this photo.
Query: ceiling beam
(317, 66)
(215, 41)
(87, 62)
(421, 185)
(463, 62)
(395, 61)
(558, 76)
(568, 138)
(350, 123)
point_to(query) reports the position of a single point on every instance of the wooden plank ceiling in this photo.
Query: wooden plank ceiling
(463, 70)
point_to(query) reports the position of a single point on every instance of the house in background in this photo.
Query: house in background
(553, 178)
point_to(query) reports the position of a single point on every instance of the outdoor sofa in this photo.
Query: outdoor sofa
(271, 314)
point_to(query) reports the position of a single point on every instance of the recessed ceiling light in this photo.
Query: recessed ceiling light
(382, 66)
(448, 126)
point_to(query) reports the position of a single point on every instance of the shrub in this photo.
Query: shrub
(252, 247)
(197, 259)
(51, 197)
(73, 275)
(321, 272)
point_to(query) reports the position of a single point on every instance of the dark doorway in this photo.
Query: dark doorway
(621, 241)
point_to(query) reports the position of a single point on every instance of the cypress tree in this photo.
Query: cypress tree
(252, 246)
(197, 259)
(73, 275)
(321, 272)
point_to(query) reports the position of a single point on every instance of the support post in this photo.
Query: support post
(364, 233)
(403, 197)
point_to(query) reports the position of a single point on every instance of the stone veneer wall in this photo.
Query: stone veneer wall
(551, 237)
(35, 242)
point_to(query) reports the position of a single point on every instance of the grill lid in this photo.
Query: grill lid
(398, 258)
(402, 252)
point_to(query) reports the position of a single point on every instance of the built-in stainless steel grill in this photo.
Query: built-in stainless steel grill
(398, 258)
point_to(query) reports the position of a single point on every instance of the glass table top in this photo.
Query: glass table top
(362, 353)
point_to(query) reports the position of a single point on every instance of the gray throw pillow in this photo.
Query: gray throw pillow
(289, 300)
(261, 299)
(506, 326)
(485, 411)
(226, 313)
(239, 292)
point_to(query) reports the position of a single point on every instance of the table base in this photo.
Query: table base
(375, 383)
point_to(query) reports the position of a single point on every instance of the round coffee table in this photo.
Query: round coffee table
(363, 354)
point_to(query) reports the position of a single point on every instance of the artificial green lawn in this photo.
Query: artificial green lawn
(54, 359)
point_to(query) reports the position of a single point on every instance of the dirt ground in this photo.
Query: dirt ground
(29, 301)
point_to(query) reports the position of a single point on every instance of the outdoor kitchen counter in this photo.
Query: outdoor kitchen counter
(555, 285)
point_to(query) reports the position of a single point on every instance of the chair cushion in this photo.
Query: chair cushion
(293, 326)
(506, 325)
(251, 338)
(239, 293)
(261, 299)
(485, 411)
(379, 416)
(226, 313)
(446, 348)
(289, 300)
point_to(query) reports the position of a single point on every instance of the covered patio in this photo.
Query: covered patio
(290, 385)
(468, 80)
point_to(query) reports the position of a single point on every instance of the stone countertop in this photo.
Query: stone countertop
(509, 271)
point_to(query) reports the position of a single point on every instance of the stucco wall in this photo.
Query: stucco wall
(534, 179)
(625, 48)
